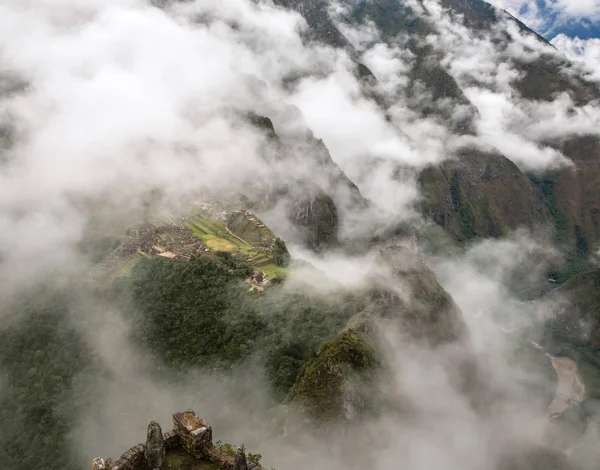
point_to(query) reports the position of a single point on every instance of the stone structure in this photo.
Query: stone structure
(194, 433)
(248, 228)
(191, 433)
(155, 446)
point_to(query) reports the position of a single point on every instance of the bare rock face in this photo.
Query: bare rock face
(317, 214)
(155, 446)
(240, 460)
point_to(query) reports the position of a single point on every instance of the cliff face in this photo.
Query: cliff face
(482, 195)
(576, 193)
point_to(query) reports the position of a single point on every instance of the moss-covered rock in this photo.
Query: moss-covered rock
(337, 383)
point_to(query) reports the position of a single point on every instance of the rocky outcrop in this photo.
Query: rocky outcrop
(317, 216)
(191, 433)
(154, 450)
(572, 194)
(337, 385)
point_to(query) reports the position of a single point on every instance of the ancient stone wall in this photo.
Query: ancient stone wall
(250, 229)
(194, 433)
(190, 432)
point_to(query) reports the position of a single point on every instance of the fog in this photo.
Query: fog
(118, 98)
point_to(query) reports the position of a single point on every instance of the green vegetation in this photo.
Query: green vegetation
(40, 354)
(344, 362)
(215, 235)
(211, 229)
(546, 188)
(185, 313)
(466, 217)
(230, 450)
(200, 314)
(281, 253)
(193, 314)
(179, 459)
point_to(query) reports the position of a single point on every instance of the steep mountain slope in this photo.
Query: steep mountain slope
(517, 201)
(479, 194)
(346, 379)
(575, 189)
(205, 287)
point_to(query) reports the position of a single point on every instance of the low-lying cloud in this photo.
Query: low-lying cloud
(121, 97)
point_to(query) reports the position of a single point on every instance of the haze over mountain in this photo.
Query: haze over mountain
(350, 234)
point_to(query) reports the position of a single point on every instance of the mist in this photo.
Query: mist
(116, 99)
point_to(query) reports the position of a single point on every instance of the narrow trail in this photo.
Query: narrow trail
(570, 389)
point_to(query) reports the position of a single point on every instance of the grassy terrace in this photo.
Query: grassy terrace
(214, 235)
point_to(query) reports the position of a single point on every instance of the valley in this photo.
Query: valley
(348, 235)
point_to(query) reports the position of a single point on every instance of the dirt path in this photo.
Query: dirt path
(570, 390)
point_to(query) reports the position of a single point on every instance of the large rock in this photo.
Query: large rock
(155, 446)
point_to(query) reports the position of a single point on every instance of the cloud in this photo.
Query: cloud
(122, 97)
(537, 14)
(487, 67)
(576, 8)
(527, 11)
(586, 52)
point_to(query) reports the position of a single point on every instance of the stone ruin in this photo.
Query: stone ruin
(191, 433)
(250, 229)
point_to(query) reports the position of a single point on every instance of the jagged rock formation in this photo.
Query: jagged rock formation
(338, 383)
(154, 450)
(313, 200)
(407, 291)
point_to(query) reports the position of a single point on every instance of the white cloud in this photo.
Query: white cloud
(123, 97)
(525, 10)
(585, 52)
(576, 8)
(529, 12)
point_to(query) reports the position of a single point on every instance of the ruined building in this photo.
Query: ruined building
(191, 437)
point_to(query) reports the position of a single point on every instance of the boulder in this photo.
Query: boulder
(155, 446)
